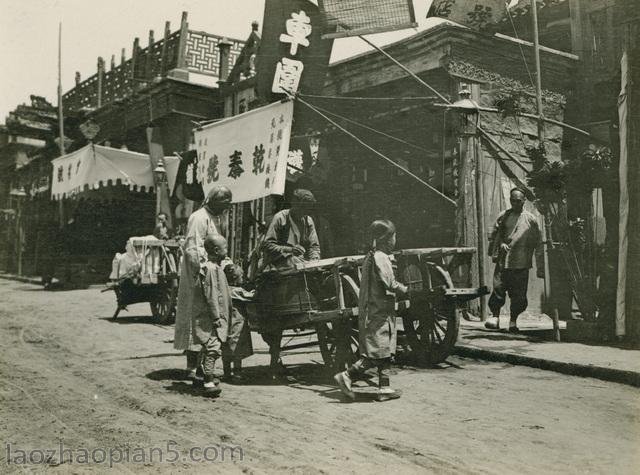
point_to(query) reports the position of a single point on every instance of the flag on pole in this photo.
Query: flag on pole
(343, 18)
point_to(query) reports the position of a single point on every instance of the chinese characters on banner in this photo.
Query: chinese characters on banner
(476, 14)
(246, 153)
(292, 54)
(289, 71)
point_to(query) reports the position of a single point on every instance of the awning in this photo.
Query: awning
(95, 166)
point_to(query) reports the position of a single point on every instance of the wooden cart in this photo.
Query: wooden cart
(155, 280)
(322, 297)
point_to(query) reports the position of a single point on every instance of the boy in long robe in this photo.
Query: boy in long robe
(212, 310)
(376, 317)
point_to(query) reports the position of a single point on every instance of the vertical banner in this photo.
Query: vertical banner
(246, 153)
(292, 53)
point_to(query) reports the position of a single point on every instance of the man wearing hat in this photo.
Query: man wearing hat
(291, 238)
(210, 219)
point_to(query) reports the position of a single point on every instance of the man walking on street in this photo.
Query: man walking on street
(211, 219)
(514, 238)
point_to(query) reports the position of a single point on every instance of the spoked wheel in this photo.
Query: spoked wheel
(431, 325)
(163, 307)
(338, 339)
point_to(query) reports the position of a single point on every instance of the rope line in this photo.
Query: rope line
(367, 146)
(397, 139)
(359, 98)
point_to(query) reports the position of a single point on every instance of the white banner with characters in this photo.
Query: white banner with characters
(246, 153)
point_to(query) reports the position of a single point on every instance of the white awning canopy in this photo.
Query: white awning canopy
(95, 166)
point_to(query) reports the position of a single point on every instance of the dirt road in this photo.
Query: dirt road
(72, 377)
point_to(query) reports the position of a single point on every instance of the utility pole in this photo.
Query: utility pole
(546, 232)
(60, 119)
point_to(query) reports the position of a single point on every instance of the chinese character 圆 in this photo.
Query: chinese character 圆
(235, 165)
(212, 169)
(298, 28)
(258, 159)
(287, 77)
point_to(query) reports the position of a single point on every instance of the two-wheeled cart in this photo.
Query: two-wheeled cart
(153, 278)
(322, 297)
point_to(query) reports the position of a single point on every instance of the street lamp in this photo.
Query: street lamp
(160, 175)
(471, 153)
(469, 112)
(19, 195)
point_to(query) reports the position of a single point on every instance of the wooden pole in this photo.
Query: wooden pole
(60, 111)
(546, 234)
(477, 151)
(60, 119)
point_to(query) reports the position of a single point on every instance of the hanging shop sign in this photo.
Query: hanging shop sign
(246, 153)
(341, 18)
(293, 56)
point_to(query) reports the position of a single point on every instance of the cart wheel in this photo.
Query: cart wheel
(339, 339)
(431, 327)
(163, 308)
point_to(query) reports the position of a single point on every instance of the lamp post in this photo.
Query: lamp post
(160, 175)
(469, 118)
(19, 194)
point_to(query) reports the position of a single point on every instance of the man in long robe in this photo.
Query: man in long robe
(210, 219)
(514, 239)
(291, 238)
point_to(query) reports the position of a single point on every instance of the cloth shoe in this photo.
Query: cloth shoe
(513, 327)
(344, 383)
(492, 323)
(387, 394)
(212, 386)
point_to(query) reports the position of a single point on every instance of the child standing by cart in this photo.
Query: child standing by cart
(212, 310)
(376, 318)
(238, 345)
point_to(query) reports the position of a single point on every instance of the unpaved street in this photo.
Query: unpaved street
(72, 376)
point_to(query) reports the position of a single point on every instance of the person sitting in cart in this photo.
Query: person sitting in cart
(212, 310)
(161, 231)
(290, 238)
(376, 316)
(238, 344)
(210, 219)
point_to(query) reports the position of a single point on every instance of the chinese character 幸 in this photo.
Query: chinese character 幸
(298, 28)
(287, 76)
(235, 165)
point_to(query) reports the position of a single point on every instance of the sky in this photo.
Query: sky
(92, 28)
